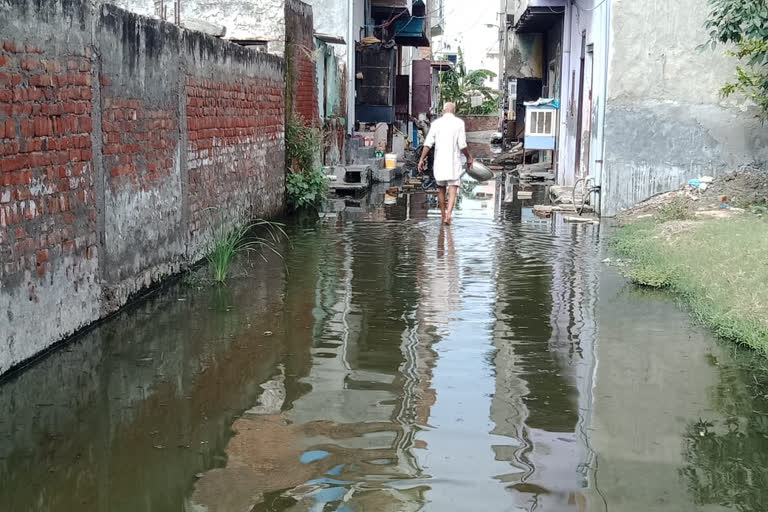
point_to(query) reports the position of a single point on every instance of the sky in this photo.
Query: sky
(465, 26)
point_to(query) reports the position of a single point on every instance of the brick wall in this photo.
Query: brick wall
(480, 123)
(235, 132)
(299, 50)
(108, 158)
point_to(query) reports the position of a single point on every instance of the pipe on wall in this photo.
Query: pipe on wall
(350, 66)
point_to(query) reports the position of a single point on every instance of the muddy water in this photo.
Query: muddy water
(391, 364)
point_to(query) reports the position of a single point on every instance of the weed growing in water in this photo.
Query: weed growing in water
(226, 243)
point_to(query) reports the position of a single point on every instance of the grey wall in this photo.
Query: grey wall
(665, 121)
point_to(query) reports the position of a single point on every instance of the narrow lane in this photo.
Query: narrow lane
(394, 364)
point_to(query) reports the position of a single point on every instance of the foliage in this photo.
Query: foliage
(459, 86)
(302, 145)
(305, 189)
(226, 243)
(305, 183)
(743, 23)
(716, 266)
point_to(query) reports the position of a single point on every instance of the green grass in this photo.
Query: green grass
(718, 267)
(226, 243)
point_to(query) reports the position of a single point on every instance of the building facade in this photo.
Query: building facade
(639, 104)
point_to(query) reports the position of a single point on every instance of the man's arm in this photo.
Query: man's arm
(424, 154)
(469, 157)
(463, 144)
(428, 143)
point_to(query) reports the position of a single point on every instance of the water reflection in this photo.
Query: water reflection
(392, 363)
(726, 460)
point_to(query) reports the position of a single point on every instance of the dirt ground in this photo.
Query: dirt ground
(742, 188)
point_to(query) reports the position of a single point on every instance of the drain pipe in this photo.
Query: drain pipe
(350, 66)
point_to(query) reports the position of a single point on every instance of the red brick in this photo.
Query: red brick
(42, 126)
(51, 65)
(41, 256)
(41, 80)
(30, 63)
(8, 129)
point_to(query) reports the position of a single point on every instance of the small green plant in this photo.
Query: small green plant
(677, 209)
(305, 189)
(226, 243)
(305, 184)
(302, 145)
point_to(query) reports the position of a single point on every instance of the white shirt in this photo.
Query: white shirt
(448, 136)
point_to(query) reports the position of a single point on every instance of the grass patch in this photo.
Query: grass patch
(718, 267)
(678, 208)
(226, 243)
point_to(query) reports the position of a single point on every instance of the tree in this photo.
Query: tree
(743, 23)
(459, 86)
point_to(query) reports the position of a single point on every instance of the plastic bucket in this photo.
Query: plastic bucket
(390, 160)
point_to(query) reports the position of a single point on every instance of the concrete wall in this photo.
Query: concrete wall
(331, 17)
(331, 78)
(665, 122)
(575, 22)
(263, 19)
(117, 133)
(242, 19)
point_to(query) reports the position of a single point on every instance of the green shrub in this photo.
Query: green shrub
(305, 189)
(305, 184)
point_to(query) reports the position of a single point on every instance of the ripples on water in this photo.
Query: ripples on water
(394, 365)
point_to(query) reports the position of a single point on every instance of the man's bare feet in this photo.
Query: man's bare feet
(447, 221)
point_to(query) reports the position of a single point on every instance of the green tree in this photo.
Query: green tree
(459, 86)
(743, 23)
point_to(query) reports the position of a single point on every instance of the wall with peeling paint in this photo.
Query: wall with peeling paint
(665, 121)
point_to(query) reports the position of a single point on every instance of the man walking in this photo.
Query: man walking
(448, 136)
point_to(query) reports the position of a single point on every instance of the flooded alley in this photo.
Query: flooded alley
(390, 363)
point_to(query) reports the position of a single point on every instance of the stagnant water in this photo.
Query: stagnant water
(393, 364)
